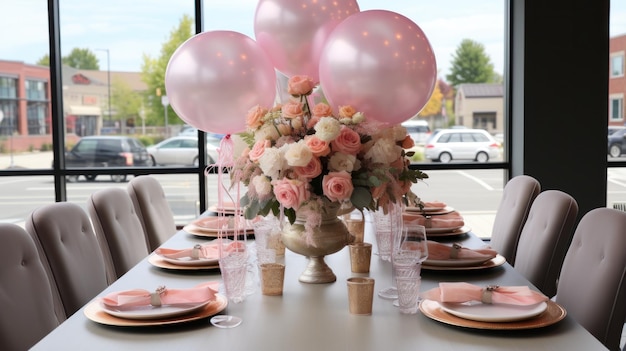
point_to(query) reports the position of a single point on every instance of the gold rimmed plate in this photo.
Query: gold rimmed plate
(430, 210)
(552, 314)
(158, 261)
(96, 313)
(494, 262)
(443, 232)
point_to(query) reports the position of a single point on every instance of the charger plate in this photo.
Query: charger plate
(442, 232)
(494, 262)
(96, 313)
(430, 210)
(158, 261)
(553, 314)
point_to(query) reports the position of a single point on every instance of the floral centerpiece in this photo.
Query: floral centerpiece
(301, 160)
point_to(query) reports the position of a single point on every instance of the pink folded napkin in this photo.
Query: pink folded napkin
(206, 251)
(434, 204)
(493, 294)
(162, 296)
(448, 220)
(439, 251)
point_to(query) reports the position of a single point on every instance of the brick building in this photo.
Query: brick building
(617, 80)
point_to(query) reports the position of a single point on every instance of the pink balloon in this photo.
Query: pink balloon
(214, 78)
(293, 33)
(380, 63)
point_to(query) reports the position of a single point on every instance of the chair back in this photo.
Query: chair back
(118, 229)
(545, 238)
(153, 209)
(26, 295)
(517, 197)
(63, 232)
(592, 285)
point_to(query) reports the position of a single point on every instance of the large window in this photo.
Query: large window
(617, 65)
(616, 108)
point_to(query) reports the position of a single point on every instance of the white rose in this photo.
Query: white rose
(267, 131)
(384, 151)
(261, 185)
(358, 117)
(272, 162)
(341, 162)
(298, 154)
(327, 128)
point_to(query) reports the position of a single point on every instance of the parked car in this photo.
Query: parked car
(613, 129)
(446, 145)
(418, 130)
(182, 150)
(106, 151)
(617, 143)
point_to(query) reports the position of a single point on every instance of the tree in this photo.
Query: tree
(81, 59)
(470, 64)
(126, 102)
(44, 60)
(153, 72)
(433, 106)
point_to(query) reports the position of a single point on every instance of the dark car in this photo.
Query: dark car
(617, 143)
(107, 151)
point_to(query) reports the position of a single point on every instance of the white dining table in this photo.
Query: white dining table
(313, 316)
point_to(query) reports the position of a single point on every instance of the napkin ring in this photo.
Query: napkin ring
(155, 297)
(488, 294)
(195, 252)
(454, 251)
(428, 223)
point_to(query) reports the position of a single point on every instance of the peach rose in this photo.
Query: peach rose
(292, 109)
(300, 85)
(337, 186)
(317, 146)
(254, 117)
(258, 149)
(291, 193)
(408, 142)
(322, 110)
(346, 111)
(311, 170)
(348, 141)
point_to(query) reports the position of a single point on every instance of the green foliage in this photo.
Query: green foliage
(470, 64)
(153, 74)
(148, 140)
(126, 101)
(81, 59)
(46, 147)
(44, 60)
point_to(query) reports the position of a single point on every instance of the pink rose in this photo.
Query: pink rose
(317, 146)
(312, 122)
(255, 114)
(311, 170)
(337, 186)
(258, 149)
(322, 110)
(291, 193)
(300, 85)
(346, 111)
(348, 141)
(292, 109)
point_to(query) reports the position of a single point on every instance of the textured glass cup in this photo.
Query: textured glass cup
(360, 295)
(234, 271)
(360, 257)
(272, 278)
(387, 227)
(408, 293)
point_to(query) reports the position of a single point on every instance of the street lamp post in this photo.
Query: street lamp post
(108, 79)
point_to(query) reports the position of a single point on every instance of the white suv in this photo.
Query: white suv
(446, 145)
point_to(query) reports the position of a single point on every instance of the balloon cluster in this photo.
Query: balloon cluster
(377, 61)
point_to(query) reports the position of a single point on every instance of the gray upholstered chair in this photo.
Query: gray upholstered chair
(545, 238)
(66, 240)
(517, 197)
(27, 298)
(592, 284)
(118, 229)
(153, 209)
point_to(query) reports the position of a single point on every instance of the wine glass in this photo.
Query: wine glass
(411, 252)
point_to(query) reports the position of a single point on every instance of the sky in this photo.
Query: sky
(131, 29)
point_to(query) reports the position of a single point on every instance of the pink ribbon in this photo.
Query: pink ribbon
(465, 292)
(162, 296)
